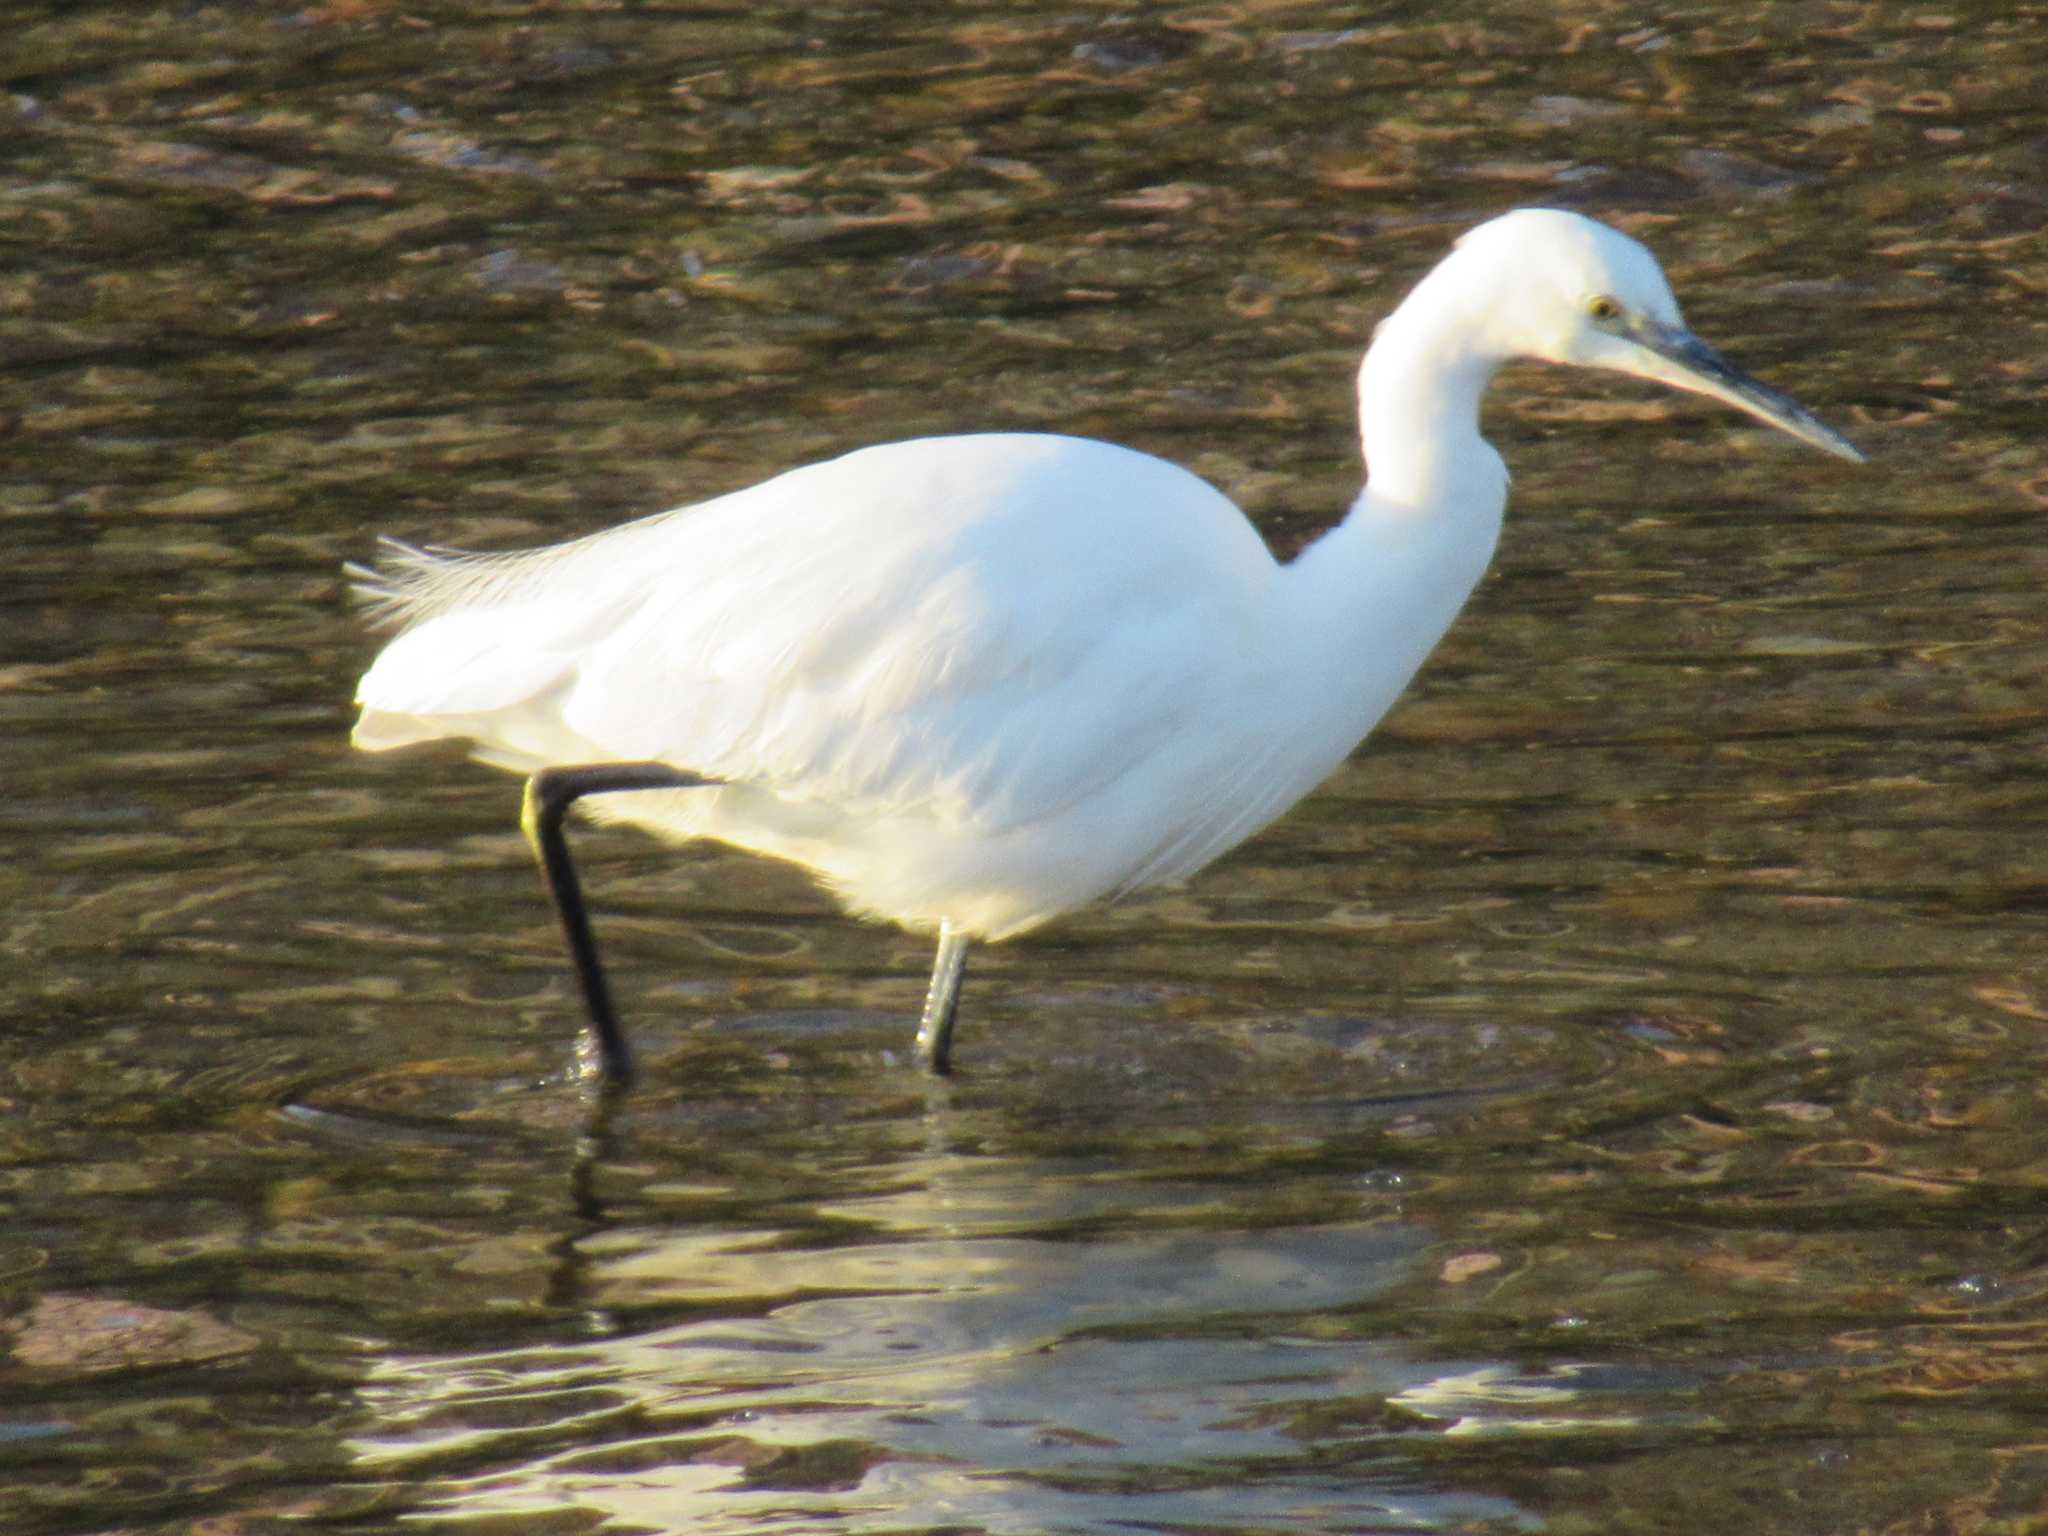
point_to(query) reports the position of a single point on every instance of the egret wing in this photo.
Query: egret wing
(980, 629)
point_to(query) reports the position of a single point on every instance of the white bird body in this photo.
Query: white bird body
(980, 679)
(975, 682)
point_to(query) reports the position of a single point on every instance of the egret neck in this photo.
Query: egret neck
(1369, 600)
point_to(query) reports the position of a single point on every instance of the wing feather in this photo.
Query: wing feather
(968, 629)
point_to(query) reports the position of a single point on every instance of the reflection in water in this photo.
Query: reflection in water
(938, 1372)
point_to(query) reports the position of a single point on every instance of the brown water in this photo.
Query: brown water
(1613, 1104)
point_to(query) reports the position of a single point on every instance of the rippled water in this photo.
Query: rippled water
(1612, 1104)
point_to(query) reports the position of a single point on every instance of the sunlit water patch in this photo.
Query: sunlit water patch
(1005, 1383)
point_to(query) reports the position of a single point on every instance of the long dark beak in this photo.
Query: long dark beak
(1682, 360)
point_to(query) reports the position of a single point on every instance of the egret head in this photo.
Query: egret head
(1570, 290)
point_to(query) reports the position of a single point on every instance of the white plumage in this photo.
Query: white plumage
(975, 682)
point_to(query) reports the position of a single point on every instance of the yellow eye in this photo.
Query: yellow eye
(1603, 309)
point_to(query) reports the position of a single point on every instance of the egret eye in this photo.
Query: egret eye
(1605, 311)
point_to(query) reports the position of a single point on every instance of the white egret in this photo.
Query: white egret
(976, 682)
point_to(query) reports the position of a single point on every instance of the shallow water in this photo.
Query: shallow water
(1611, 1104)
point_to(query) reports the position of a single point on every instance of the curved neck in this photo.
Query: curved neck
(1418, 401)
(1366, 603)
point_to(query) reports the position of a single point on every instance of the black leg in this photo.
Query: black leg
(935, 1029)
(549, 794)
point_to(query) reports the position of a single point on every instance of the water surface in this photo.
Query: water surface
(1611, 1104)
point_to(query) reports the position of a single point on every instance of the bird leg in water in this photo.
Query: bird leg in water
(549, 794)
(935, 1029)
